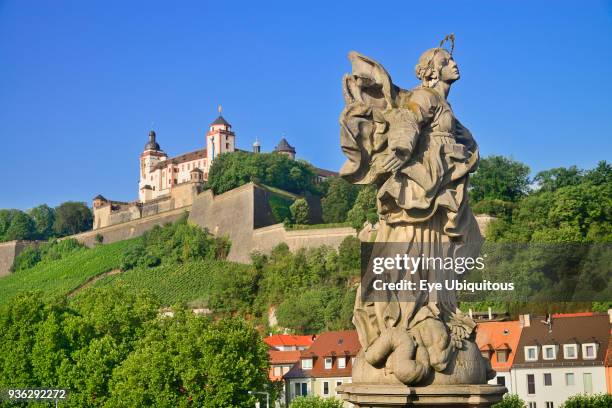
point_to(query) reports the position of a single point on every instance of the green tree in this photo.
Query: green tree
(499, 178)
(510, 401)
(338, 200)
(553, 179)
(589, 401)
(299, 211)
(601, 174)
(364, 208)
(231, 170)
(21, 227)
(44, 218)
(71, 218)
(188, 361)
(315, 402)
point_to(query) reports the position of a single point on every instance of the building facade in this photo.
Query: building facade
(498, 342)
(324, 366)
(561, 356)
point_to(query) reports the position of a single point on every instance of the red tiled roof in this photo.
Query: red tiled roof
(284, 357)
(572, 328)
(278, 340)
(578, 314)
(492, 336)
(331, 344)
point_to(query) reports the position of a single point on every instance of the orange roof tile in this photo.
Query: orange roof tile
(278, 340)
(284, 357)
(499, 336)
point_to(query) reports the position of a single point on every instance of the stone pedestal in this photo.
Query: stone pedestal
(364, 395)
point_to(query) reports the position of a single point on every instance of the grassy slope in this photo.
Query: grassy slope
(191, 283)
(61, 276)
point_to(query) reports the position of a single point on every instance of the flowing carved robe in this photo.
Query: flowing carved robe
(424, 205)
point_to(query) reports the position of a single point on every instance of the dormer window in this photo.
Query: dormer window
(328, 363)
(341, 362)
(570, 351)
(502, 356)
(589, 351)
(549, 352)
(531, 353)
(307, 364)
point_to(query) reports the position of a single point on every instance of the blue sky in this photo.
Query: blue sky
(82, 82)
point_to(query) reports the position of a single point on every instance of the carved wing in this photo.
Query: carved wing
(368, 91)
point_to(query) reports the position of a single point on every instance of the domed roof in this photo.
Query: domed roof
(152, 143)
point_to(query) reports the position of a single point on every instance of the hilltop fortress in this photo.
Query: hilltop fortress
(169, 183)
(170, 186)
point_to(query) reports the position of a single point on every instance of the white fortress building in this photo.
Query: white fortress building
(168, 183)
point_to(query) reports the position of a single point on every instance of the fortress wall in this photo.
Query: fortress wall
(230, 214)
(265, 239)
(309, 238)
(8, 253)
(130, 229)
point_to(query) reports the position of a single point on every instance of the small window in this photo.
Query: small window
(589, 351)
(277, 371)
(532, 405)
(501, 380)
(531, 353)
(304, 389)
(341, 362)
(547, 379)
(502, 356)
(328, 363)
(325, 388)
(570, 351)
(307, 364)
(569, 379)
(297, 389)
(548, 352)
(530, 384)
(549, 404)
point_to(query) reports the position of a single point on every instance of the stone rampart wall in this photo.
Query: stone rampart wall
(8, 253)
(131, 229)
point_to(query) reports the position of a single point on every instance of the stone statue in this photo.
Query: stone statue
(410, 145)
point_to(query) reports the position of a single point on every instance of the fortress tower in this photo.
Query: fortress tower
(219, 139)
(149, 159)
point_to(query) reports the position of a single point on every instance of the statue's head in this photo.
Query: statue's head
(437, 64)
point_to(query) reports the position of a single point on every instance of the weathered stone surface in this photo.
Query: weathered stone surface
(365, 395)
(412, 148)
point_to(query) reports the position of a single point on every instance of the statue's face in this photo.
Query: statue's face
(447, 67)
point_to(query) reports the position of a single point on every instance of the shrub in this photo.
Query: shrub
(175, 243)
(494, 207)
(299, 211)
(315, 402)
(364, 208)
(510, 401)
(588, 401)
(50, 251)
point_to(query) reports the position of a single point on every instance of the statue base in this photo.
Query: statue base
(365, 395)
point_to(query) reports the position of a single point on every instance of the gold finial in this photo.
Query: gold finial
(219, 109)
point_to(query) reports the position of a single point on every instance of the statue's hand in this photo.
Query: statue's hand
(395, 161)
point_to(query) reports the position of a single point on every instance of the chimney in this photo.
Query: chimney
(470, 313)
(610, 315)
(525, 320)
(490, 314)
